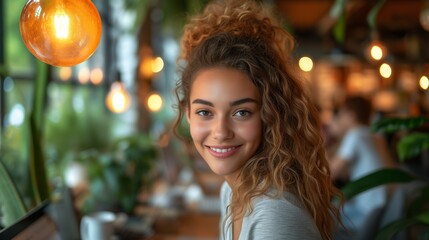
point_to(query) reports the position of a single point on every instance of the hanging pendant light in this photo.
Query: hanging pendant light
(118, 100)
(61, 32)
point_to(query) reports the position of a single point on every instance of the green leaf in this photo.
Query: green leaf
(392, 125)
(372, 15)
(338, 13)
(36, 157)
(375, 179)
(12, 206)
(389, 231)
(424, 218)
(3, 70)
(340, 28)
(412, 145)
(420, 203)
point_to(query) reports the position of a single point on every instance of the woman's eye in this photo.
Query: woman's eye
(242, 113)
(203, 113)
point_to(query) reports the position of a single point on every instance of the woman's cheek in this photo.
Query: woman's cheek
(199, 130)
(251, 131)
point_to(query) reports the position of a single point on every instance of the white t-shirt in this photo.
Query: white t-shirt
(271, 218)
(359, 149)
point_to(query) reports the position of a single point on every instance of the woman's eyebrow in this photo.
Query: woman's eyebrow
(233, 103)
(204, 102)
(241, 101)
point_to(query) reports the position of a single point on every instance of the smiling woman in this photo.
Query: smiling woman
(224, 119)
(253, 123)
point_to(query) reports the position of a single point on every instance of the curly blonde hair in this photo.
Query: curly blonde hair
(243, 35)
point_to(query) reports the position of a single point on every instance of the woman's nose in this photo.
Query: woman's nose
(222, 129)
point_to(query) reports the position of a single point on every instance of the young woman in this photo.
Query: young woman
(253, 123)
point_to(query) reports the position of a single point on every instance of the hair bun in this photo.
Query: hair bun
(239, 17)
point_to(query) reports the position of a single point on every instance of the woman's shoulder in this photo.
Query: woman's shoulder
(281, 216)
(283, 204)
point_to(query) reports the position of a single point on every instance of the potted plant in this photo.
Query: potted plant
(413, 143)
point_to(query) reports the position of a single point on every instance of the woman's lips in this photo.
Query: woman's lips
(223, 152)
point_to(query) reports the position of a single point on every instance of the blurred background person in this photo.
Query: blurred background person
(359, 153)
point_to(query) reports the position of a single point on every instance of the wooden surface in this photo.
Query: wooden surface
(189, 226)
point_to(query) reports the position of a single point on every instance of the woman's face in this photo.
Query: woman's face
(224, 118)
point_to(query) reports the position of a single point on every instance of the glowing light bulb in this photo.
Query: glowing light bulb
(157, 65)
(385, 70)
(154, 102)
(118, 100)
(376, 50)
(424, 83)
(83, 75)
(306, 64)
(61, 24)
(61, 32)
(146, 67)
(96, 76)
(65, 73)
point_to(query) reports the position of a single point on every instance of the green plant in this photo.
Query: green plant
(412, 143)
(12, 204)
(13, 208)
(118, 176)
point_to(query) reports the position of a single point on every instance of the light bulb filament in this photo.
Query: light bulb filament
(118, 101)
(61, 24)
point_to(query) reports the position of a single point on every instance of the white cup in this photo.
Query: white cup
(97, 226)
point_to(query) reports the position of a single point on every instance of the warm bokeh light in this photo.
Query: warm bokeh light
(424, 82)
(157, 64)
(83, 75)
(385, 100)
(154, 102)
(59, 32)
(65, 73)
(146, 68)
(96, 76)
(306, 64)
(118, 100)
(385, 70)
(377, 51)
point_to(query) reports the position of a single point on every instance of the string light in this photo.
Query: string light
(65, 73)
(385, 70)
(59, 32)
(377, 51)
(154, 102)
(424, 82)
(157, 64)
(118, 100)
(83, 75)
(306, 64)
(96, 76)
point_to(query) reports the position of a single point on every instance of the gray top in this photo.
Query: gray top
(272, 218)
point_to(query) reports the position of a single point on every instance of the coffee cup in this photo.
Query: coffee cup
(97, 226)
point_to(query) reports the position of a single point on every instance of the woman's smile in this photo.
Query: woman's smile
(224, 117)
(223, 152)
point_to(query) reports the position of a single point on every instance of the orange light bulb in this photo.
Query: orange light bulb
(118, 100)
(61, 32)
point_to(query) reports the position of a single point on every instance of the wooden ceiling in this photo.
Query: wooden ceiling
(395, 15)
(396, 23)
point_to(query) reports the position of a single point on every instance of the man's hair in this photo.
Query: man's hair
(361, 107)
